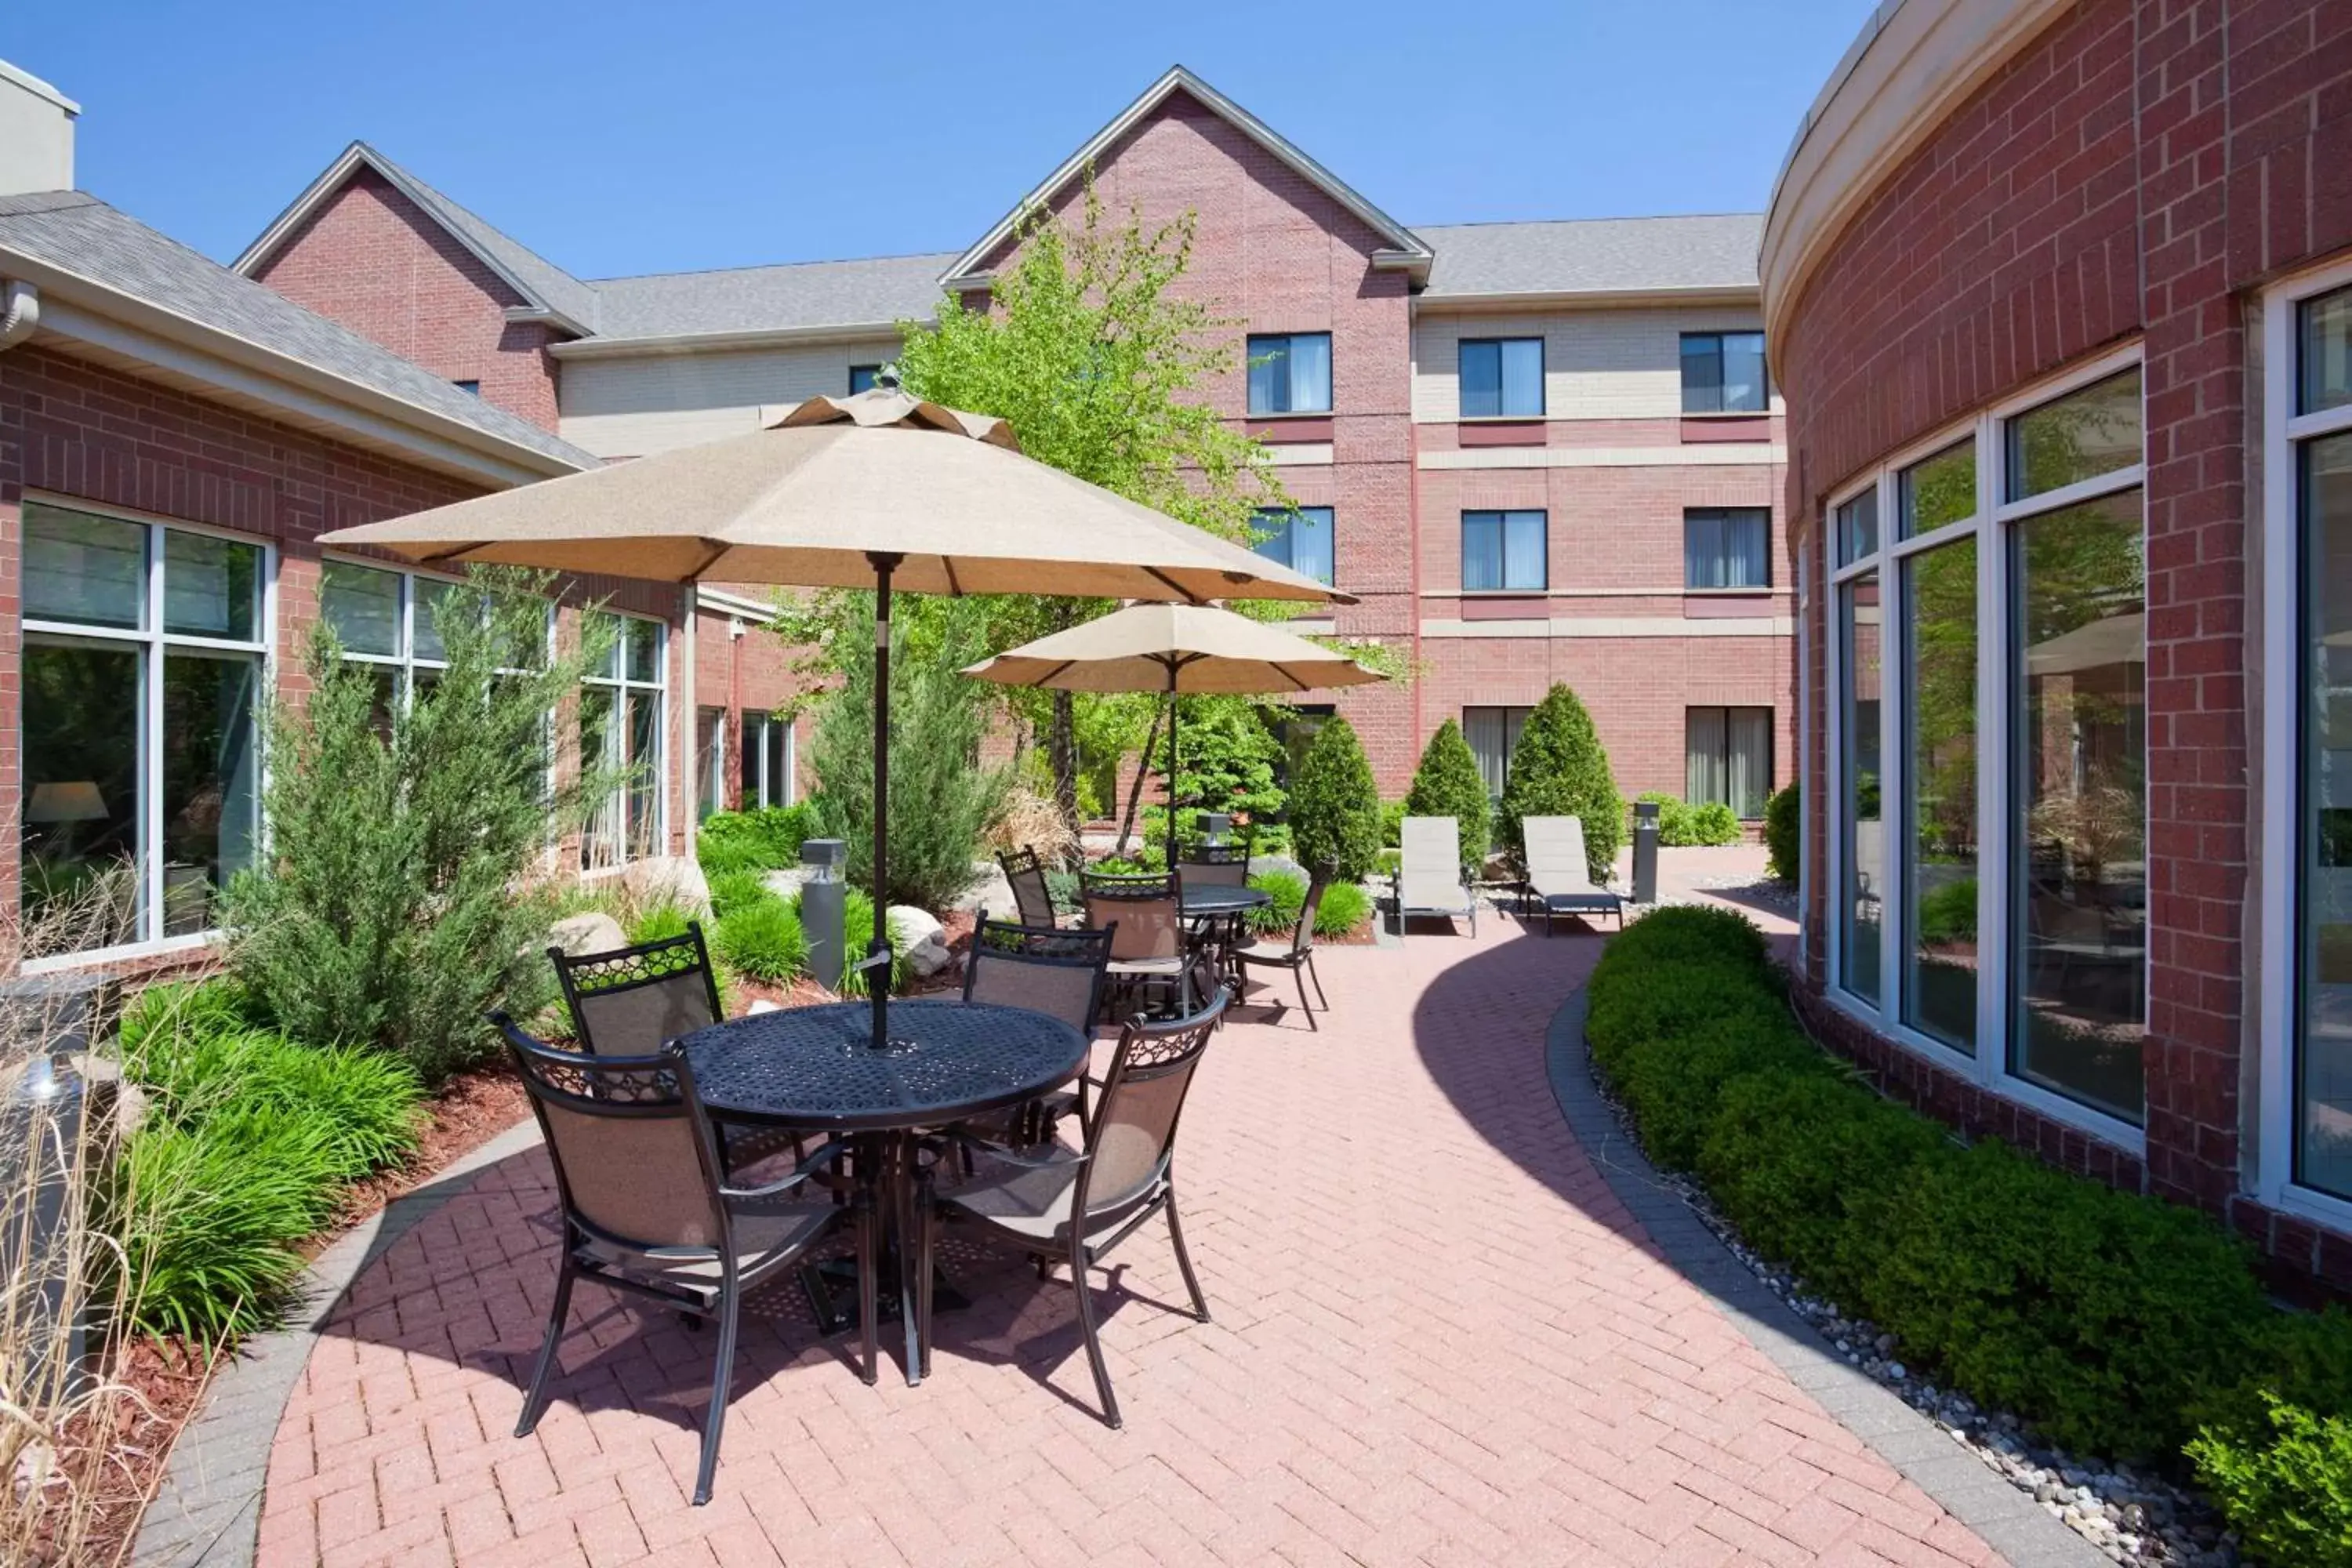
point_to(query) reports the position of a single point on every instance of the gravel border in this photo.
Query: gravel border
(2007, 1520)
(207, 1510)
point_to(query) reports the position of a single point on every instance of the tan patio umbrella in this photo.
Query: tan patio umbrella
(877, 490)
(1174, 648)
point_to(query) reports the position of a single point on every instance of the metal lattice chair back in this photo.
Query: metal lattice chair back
(629, 1001)
(1057, 973)
(1131, 1134)
(1217, 865)
(1031, 895)
(1146, 914)
(635, 1157)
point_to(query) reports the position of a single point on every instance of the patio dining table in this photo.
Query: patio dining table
(815, 1068)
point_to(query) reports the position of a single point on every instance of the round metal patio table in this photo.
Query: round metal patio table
(815, 1067)
(1211, 900)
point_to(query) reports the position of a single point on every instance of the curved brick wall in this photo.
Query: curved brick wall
(2138, 171)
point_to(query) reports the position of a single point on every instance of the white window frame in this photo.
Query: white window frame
(2279, 1020)
(1990, 524)
(722, 750)
(152, 641)
(757, 785)
(622, 686)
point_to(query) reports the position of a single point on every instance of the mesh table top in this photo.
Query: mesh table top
(816, 1066)
(1215, 900)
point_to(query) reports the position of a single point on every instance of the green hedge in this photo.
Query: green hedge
(1784, 830)
(1682, 825)
(765, 838)
(2120, 1325)
(1345, 906)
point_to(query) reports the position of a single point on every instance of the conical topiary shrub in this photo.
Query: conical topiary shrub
(1447, 784)
(1335, 810)
(1559, 769)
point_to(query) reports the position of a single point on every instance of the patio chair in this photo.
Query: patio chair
(1556, 875)
(1217, 865)
(647, 1210)
(1123, 1176)
(1056, 973)
(1429, 873)
(1033, 898)
(631, 1001)
(1151, 946)
(1297, 954)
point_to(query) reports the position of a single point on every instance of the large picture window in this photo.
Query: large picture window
(144, 651)
(1727, 758)
(1727, 547)
(622, 732)
(2307, 1110)
(1989, 813)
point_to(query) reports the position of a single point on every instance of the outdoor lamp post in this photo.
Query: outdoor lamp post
(825, 898)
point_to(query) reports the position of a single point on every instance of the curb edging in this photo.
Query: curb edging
(207, 1509)
(2002, 1517)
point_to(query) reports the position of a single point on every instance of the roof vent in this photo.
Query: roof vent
(36, 135)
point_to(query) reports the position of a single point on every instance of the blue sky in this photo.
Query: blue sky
(634, 138)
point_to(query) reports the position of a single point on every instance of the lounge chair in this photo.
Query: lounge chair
(1429, 876)
(1558, 876)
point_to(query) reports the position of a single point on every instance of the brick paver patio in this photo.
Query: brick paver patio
(1438, 1339)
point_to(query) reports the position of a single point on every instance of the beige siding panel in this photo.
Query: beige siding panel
(629, 408)
(1621, 363)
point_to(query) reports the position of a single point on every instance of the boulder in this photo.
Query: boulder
(926, 940)
(592, 931)
(1277, 865)
(989, 893)
(669, 879)
(786, 883)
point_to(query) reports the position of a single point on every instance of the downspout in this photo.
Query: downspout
(20, 313)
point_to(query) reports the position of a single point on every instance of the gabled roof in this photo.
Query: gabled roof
(1615, 257)
(1403, 248)
(546, 288)
(67, 240)
(799, 297)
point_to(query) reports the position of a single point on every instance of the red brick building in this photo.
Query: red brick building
(2061, 298)
(173, 437)
(1592, 504)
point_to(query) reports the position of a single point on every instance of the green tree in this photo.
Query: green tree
(1447, 784)
(942, 801)
(1097, 358)
(1559, 769)
(387, 913)
(1335, 808)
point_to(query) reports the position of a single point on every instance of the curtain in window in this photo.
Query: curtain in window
(1310, 373)
(1482, 380)
(1482, 550)
(1747, 760)
(1493, 734)
(1522, 378)
(1311, 544)
(1703, 747)
(1269, 376)
(1523, 550)
(1726, 548)
(1743, 372)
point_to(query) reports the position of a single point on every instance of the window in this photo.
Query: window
(1723, 372)
(1300, 538)
(1503, 551)
(621, 733)
(864, 378)
(144, 652)
(767, 760)
(1290, 373)
(1494, 735)
(1989, 749)
(710, 788)
(1727, 547)
(1502, 377)
(2307, 1090)
(1727, 758)
(474, 387)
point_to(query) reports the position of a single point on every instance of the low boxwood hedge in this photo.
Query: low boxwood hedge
(2118, 1324)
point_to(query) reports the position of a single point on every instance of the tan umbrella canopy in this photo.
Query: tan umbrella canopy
(814, 499)
(877, 490)
(1174, 648)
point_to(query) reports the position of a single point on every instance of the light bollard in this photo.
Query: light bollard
(1645, 851)
(824, 897)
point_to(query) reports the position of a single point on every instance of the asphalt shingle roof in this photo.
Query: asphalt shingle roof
(78, 233)
(1593, 256)
(770, 299)
(555, 287)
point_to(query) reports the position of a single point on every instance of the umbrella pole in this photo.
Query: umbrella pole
(1171, 767)
(878, 953)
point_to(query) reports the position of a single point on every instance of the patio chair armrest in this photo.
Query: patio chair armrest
(814, 1165)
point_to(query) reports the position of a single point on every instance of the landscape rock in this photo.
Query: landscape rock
(669, 879)
(989, 893)
(786, 884)
(926, 940)
(592, 931)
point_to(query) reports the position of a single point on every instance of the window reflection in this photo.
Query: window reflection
(1939, 676)
(1865, 852)
(2081, 748)
(2075, 438)
(211, 781)
(2324, 1066)
(81, 845)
